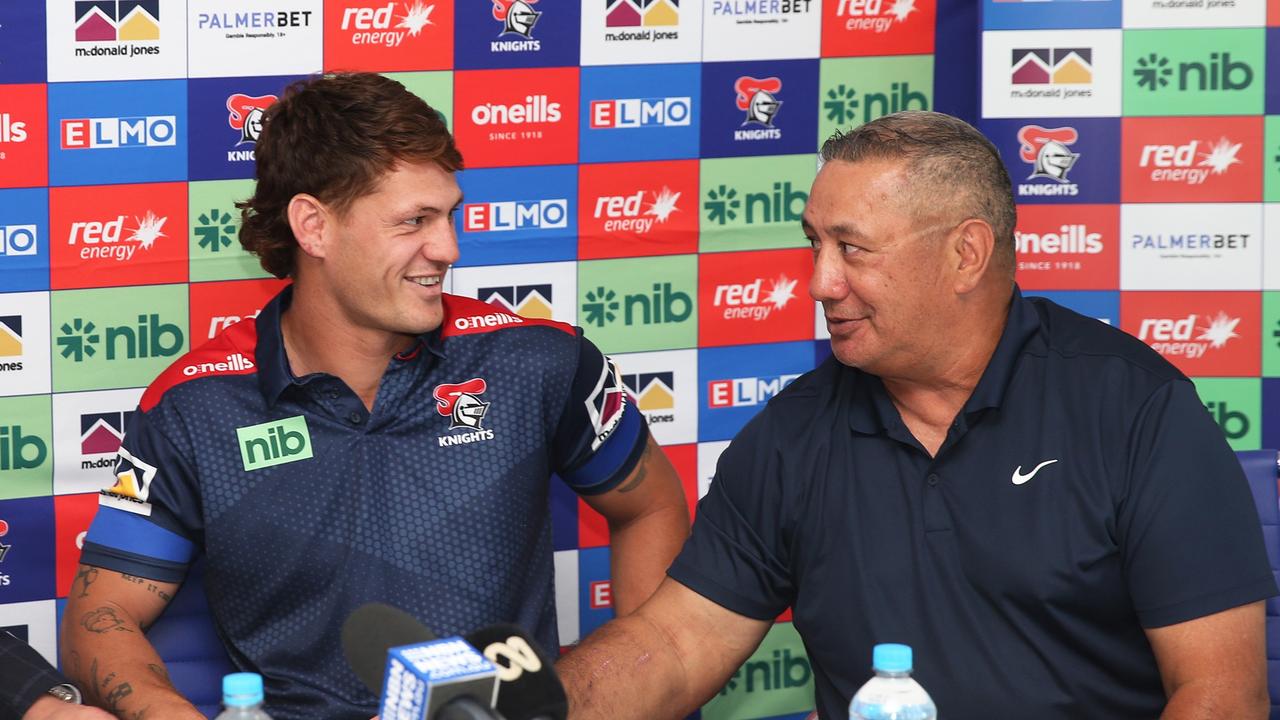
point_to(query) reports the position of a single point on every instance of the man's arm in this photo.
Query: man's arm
(105, 653)
(648, 522)
(662, 661)
(1214, 666)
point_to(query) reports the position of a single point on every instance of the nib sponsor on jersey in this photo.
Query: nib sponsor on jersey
(104, 240)
(1191, 163)
(1048, 152)
(752, 301)
(373, 26)
(1072, 239)
(876, 16)
(1190, 337)
(636, 213)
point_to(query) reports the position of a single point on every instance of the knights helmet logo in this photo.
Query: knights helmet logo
(517, 16)
(1046, 149)
(246, 113)
(757, 97)
(461, 403)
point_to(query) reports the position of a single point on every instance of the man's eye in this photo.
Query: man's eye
(416, 220)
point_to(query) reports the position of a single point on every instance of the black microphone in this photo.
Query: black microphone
(372, 630)
(528, 688)
(427, 679)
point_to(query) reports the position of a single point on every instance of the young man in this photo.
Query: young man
(368, 438)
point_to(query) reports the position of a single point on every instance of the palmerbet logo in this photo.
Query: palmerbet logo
(843, 106)
(216, 230)
(784, 203)
(664, 304)
(531, 301)
(81, 339)
(274, 443)
(1155, 72)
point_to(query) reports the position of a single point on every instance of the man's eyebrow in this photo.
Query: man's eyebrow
(840, 230)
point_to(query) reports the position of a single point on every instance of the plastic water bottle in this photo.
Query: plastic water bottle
(892, 694)
(242, 697)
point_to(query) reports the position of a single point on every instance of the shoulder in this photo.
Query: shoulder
(231, 352)
(465, 316)
(1094, 347)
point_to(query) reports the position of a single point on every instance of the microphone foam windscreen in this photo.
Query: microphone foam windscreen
(528, 688)
(370, 631)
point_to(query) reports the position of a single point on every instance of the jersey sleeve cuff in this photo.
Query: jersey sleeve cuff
(1259, 589)
(723, 596)
(615, 459)
(132, 564)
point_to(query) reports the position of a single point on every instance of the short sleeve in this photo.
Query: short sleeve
(148, 523)
(601, 434)
(737, 554)
(1188, 528)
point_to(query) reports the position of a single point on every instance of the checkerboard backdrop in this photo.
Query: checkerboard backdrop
(636, 167)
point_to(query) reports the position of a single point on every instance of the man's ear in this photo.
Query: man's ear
(308, 218)
(974, 245)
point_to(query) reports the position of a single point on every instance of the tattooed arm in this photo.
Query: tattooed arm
(105, 653)
(648, 523)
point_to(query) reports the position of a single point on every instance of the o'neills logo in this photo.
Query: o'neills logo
(1072, 239)
(536, 109)
(234, 363)
(475, 322)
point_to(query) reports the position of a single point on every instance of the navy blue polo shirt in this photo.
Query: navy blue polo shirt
(306, 505)
(1082, 494)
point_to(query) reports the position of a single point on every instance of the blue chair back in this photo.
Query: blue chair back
(1262, 469)
(185, 638)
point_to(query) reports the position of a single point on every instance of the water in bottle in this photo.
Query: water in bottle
(892, 694)
(242, 697)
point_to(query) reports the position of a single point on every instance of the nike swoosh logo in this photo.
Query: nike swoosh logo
(1019, 478)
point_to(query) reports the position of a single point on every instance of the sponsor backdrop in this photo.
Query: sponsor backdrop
(636, 167)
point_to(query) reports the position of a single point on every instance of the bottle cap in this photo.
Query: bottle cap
(242, 689)
(891, 657)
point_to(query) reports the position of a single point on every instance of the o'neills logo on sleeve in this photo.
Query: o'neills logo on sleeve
(461, 403)
(233, 363)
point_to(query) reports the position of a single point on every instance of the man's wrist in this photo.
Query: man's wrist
(45, 706)
(67, 693)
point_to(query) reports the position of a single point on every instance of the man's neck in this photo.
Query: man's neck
(319, 338)
(930, 398)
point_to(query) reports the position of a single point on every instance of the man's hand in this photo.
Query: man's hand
(51, 708)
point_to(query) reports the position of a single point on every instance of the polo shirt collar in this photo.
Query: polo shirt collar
(274, 374)
(871, 410)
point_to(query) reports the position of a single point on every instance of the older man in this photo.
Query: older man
(1036, 502)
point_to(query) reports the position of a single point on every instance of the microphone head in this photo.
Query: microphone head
(528, 687)
(371, 630)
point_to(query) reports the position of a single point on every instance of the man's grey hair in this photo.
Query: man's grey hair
(947, 158)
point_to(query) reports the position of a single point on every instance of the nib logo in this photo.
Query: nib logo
(746, 302)
(216, 229)
(103, 240)
(1191, 163)
(1190, 337)
(874, 15)
(150, 338)
(19, 451)
(638, 212)
(842, 103)
(1155, 72)
(783, 204)
(530, 301)
(783, 672)
(664, 305)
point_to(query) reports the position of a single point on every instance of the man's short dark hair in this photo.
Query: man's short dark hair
(333, 137)
(947, 158)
